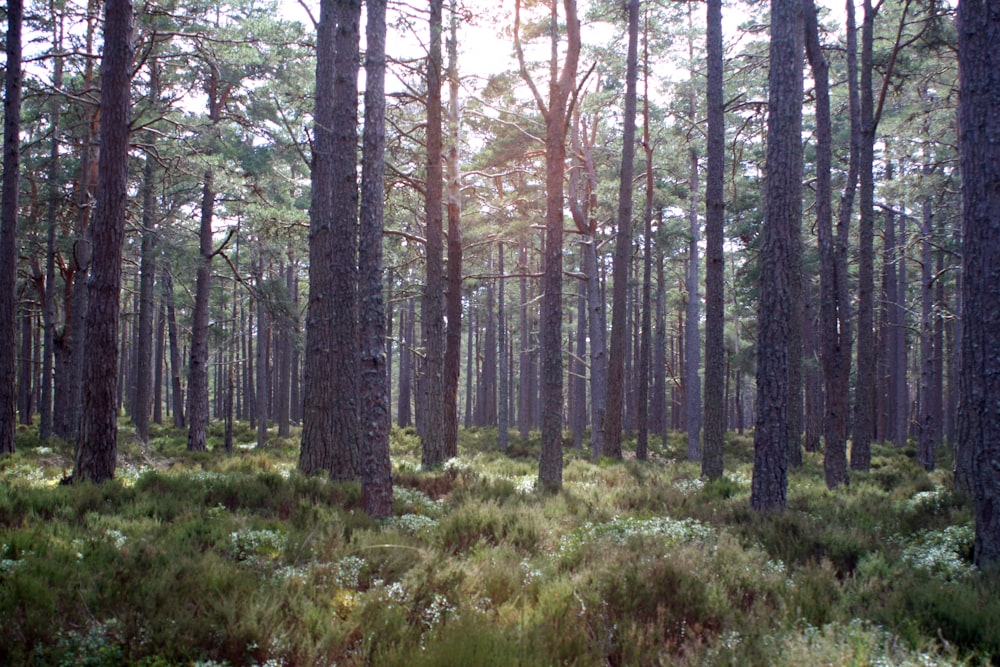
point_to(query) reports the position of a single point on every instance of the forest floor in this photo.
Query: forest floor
(236, 559)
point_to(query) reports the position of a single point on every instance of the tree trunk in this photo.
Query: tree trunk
(198, 363)
(432, 315)
(715, 261)
(147, 273)
(375, 468)
(453, 308)
(898, 365)
(405, 364)
(928, 420)
(503, 393)
(613, 416)
(97, 442)
(979, 123)
(864, 387)
(783, 201)
(8, 222)
(25, 405)
(561, 85)
(54, 194)
(263, 372)
(330, 438)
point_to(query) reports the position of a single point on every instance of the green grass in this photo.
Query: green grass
(236, 559)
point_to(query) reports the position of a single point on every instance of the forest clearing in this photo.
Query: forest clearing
(237, 559)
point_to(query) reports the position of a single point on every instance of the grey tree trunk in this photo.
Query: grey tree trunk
(176, 389)
(97, 440)
(330, 438)
(147, 304)
(864, 400)
(53, 194)
(783, 201)
(503, 392)
(614, 413)
(929, 421)
(979, 121)
(715, 266)
(8, 223)
(432, 311)
(376, 468)
(692, 318)
(453, 308)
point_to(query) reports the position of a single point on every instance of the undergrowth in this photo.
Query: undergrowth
(222, 558)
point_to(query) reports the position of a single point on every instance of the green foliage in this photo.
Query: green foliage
(238, 560)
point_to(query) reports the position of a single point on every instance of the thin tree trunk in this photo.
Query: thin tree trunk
(715, 261)
(453, 308)
(503, 391)
(901, 400)
(929, 424)
(54, 195)
(263, 373)
(405, 355)
(147, 274)
(614, 413)
(432, 314)
(25, 404)
(176, 390)
(8, 222)
(376, 468)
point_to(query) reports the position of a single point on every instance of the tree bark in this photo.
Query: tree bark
(8, 223)
(929, 424)
(613, 416)
(376, 468)
(453, 308)
(715, 266)
(330, 438)
(979, 123)
(783, 201)
(97, 441)
(432, 314)
(864, 403)
(147, 275)
(503, 393)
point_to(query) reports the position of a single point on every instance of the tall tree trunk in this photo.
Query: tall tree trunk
(263, 372)
(813, 378)
(577, 394)
(176, 390)
(659, 407)
(405, 364)
(834, 319)
(692, 337)
(432, 315)
(375, 468)
(8, 222)
(715, 261)
(197, 412)
(929, 424)
(147, 275)
(561, 84)
(864, 387)
(54, 194)
(97, 441)
(159, 354)
(330, 438)
(524, 362)
(783, 201)
(25, 406)
(503, 392)
(453, 308)
(898, 365)
(979, 123)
